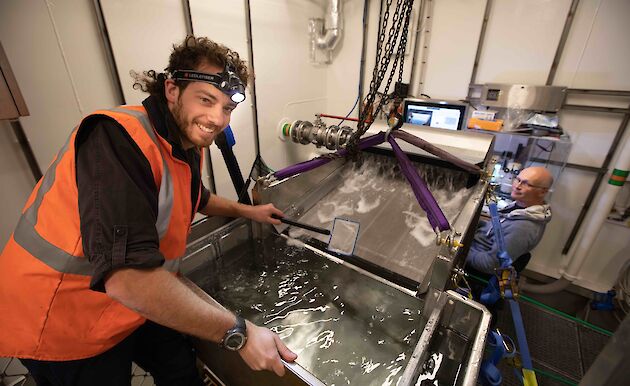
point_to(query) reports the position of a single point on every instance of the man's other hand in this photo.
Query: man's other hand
(263, 214)
(264, 349)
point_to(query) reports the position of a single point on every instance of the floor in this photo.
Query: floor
(12, 373)
(562, 348)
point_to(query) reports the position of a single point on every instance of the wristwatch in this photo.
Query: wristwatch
(236, 337)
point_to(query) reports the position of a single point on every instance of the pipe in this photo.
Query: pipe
(333, 27)
(337, 117)
(326, 34)
(553, 287)
(600, 212)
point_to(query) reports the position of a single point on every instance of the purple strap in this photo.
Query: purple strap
(305, 166)
(419, 187)
(442, 154)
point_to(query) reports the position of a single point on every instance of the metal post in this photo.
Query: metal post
(250, 51)
(188, 17)
(482, 36)
(366, 14)
(18, 130)
(563, 40)
(109, 52)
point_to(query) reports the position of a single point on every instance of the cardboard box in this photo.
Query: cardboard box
(475, 123)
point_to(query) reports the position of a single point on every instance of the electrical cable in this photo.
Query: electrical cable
(356, 101)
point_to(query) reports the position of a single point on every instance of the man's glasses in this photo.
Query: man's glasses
(518, 181)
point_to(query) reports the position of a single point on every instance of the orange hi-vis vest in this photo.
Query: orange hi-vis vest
(47, 310)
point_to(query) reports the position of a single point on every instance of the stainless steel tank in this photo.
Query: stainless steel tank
(384, 316)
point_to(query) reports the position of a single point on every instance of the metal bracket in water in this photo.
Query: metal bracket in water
(438, 300)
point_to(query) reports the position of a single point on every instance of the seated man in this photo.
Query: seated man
(522, 222)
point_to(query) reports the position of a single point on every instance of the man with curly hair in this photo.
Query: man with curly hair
(87, 281)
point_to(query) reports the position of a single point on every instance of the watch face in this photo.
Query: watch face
(235, 341)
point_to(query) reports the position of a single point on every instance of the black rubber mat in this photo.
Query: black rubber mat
(557, 345)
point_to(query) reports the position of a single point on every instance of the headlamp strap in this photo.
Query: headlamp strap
(197, 76)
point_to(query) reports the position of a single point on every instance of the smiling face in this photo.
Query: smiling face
(201, 110)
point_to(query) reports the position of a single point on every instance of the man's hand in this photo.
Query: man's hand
(264, 349)
(263, 213)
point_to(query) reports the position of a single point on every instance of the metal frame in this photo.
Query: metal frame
(423, 40)
(482, 36)
(601, 173)
(250, 51)
(109, 52)
(22, 139)
(188, 17)
(563, 39)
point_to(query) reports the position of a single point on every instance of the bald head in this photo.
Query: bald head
(539, 176)
(531, 185)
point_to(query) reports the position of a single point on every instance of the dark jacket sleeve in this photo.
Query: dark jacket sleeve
(519, 237)
(117, 201)
(205, 197)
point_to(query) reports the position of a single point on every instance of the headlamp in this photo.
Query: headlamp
(227, 81)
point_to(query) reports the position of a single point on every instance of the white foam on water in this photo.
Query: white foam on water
(420, 228)
(363, 206)
(294, 238)
(329, 210)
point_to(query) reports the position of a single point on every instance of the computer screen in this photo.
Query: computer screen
(435, 114)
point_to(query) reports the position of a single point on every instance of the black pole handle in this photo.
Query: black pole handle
(301, 225)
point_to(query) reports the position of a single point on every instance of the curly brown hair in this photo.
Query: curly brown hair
(190, 55)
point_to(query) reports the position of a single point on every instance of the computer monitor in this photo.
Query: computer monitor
(441, 114)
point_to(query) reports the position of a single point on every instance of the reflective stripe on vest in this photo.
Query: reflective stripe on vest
(28, 238)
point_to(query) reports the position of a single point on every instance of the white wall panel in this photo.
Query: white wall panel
(373, 30)
(453, 46)
(284, 76)
(78, 29)
(342, 77)
(521, 41)
(224, 22)
(29, 39)
(142, 35)
(570, 191)
(59, 64)
(591, 135)
(597, 54)
(610, 249)
(17, 181)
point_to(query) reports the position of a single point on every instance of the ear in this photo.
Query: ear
(171, 91)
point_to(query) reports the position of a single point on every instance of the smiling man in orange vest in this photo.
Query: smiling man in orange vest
(86, 280)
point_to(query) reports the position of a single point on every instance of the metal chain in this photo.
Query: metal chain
(400, 19)
(399, 56)
(375, 74)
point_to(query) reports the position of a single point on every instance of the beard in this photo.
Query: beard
(179, 117)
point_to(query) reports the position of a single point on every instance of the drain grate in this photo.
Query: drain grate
(591, 344)
(557, 345)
